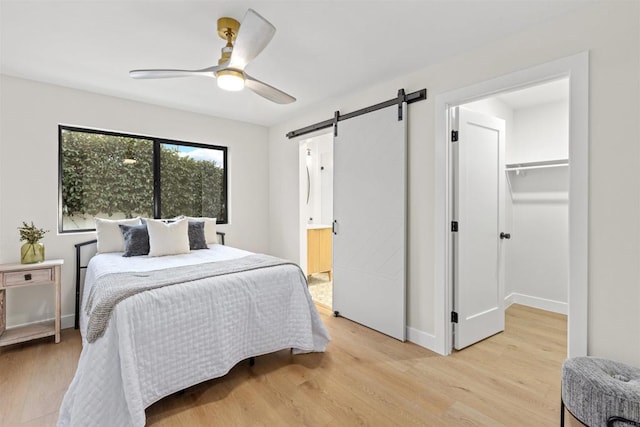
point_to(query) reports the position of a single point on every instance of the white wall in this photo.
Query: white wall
(325, 149)
(537, 261)
(614, 90)
(29, 122)
(537, 267)
(540, 133)
(494, 107)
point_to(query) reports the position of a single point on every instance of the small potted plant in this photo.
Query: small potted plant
(33, 250)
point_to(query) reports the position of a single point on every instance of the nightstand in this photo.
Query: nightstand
(19, 275)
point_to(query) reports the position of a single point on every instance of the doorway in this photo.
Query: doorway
(316, 207)
(576, 68)
(510, 175)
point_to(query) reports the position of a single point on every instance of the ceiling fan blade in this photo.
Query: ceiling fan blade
(162, 74)
(254, 35)
(267, 91)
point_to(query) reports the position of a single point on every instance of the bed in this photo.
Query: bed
(164, 339)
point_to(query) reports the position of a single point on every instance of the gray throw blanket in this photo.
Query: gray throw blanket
(112, 288)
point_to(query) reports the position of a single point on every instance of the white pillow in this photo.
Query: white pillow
(209, 228)
(168, 238)
(109, 235)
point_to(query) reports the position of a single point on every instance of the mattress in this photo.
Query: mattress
(161, 341)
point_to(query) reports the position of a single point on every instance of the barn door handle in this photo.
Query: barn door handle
(334, 226)
(504, 235)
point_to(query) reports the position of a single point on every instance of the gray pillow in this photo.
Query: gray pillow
(196, 235)
(136, 240)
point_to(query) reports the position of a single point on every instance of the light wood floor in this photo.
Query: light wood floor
(364, 378)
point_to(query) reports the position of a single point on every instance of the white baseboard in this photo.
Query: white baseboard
(536, 302)
(508, 300)
(423, 339)
(66, 321)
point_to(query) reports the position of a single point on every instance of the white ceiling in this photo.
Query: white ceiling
(321, 48)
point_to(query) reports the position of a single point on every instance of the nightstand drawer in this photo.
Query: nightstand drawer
(26, 277)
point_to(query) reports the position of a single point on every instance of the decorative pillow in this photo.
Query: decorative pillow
(168, 239)
(196, 235)
(136, 240)
(165, 220)
(209, 228)
(109, 235)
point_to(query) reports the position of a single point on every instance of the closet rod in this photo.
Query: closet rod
(525, 168)
(537, 165)
(419, 95)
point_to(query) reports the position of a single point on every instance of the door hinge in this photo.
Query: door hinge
(454, 317)
(454, 226)
(454, 136)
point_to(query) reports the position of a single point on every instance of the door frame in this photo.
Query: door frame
(576, 68)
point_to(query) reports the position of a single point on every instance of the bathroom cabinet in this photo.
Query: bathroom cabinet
(319, 255)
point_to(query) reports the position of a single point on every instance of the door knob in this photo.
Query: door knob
(504, 235)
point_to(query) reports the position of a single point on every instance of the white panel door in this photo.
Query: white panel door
(369, 205)
(478, 208)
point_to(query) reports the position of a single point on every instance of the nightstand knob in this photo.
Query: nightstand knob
(27, 276)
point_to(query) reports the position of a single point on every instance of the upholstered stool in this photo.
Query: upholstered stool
(601, 392)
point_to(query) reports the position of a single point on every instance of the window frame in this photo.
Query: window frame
(157, 182)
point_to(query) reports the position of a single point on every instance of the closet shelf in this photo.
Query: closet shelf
(538, 181)
(536, 165)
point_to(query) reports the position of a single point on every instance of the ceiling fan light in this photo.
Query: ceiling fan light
(231, 80)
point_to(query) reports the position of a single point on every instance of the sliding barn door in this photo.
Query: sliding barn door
(369, 221)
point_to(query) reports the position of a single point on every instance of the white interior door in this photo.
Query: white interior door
(478, 208)
(369, 205)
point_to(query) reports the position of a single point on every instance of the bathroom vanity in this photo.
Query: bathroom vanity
(319, 254)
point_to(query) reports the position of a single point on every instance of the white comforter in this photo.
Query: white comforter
(161, 341)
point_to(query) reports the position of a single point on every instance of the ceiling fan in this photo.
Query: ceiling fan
(244, 43)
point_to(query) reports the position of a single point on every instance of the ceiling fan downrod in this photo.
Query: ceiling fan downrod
(227, 30)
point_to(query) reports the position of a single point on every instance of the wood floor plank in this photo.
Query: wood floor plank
(48, 384)
(364, 379)
(16, 367)
(34, 377)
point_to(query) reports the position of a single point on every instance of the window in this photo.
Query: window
(111, 175)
